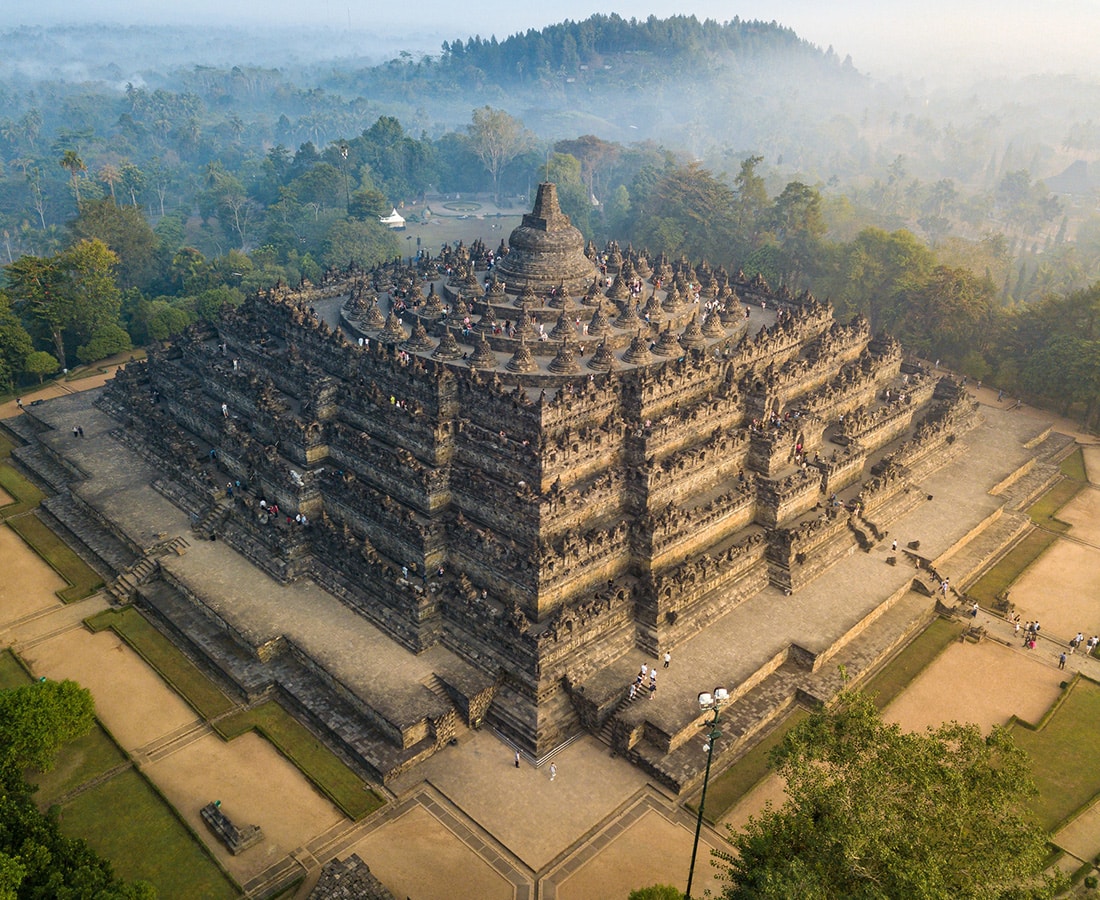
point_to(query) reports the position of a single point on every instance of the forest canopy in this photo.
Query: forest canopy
(133, 202)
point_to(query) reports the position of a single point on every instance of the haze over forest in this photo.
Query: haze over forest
(926, 39)
(932, 166)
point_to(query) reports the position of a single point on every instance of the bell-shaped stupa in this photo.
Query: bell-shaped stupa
(546, 251)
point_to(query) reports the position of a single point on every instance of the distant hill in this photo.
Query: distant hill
(677, 81)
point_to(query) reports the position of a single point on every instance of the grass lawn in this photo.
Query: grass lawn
(1073, 466)
(175, 668)
(126, 821)
(320, 765)
(1011, 566)
(26, 495)
(911, 660)
(77, 763)
(1043, 512)
(1065, 755)
(12, 674)
(83, 579)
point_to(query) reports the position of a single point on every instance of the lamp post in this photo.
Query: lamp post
(347, 190)
(709, 703)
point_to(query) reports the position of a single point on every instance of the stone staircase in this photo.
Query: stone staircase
(606, 732)
(92, 542)
(763, 706)
(860, 529)
(42, 468)
(215, 516)
(125, 585)
(437, 686)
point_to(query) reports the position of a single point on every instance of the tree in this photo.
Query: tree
(565, 171)
(15, 345)
(94, 299)
(69, 295)
(41, 363)
(133, 179)
(209, 304)
(37, 285)
(796, 220)
(71, 161)
(876, 812)
(36, 719)
(751, 200)
(594, 154)
(110, 175)
(874, 273)
(948, 315)
(657, 892)
(36, 859)
(125, 231)
(364, 243)
(497, 139)
(106, 340)
(688, 210)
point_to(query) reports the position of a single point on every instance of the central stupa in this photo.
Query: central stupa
(546, 251)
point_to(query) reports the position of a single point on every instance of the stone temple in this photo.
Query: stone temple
(480, 489)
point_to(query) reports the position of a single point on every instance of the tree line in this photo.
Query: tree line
(36, 859)
(114, 280)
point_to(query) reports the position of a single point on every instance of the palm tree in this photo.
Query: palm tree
(111, 175)
(71, 160)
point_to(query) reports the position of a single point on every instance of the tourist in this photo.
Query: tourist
(1062, 660)
(553, 771)
(517, 759)
(668, 658)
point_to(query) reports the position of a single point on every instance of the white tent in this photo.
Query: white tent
(393, 220)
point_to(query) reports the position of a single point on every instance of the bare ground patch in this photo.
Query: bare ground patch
(256, 786)
(984, 684)
(28, 584)
(131, 700)
(415, 855)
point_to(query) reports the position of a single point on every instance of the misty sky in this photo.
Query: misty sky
(916, 37)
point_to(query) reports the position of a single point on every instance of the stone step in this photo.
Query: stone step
(338, 722)
(985, 549)
(42, 468)
(24, 427)
(757, 710)
(92, 542)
